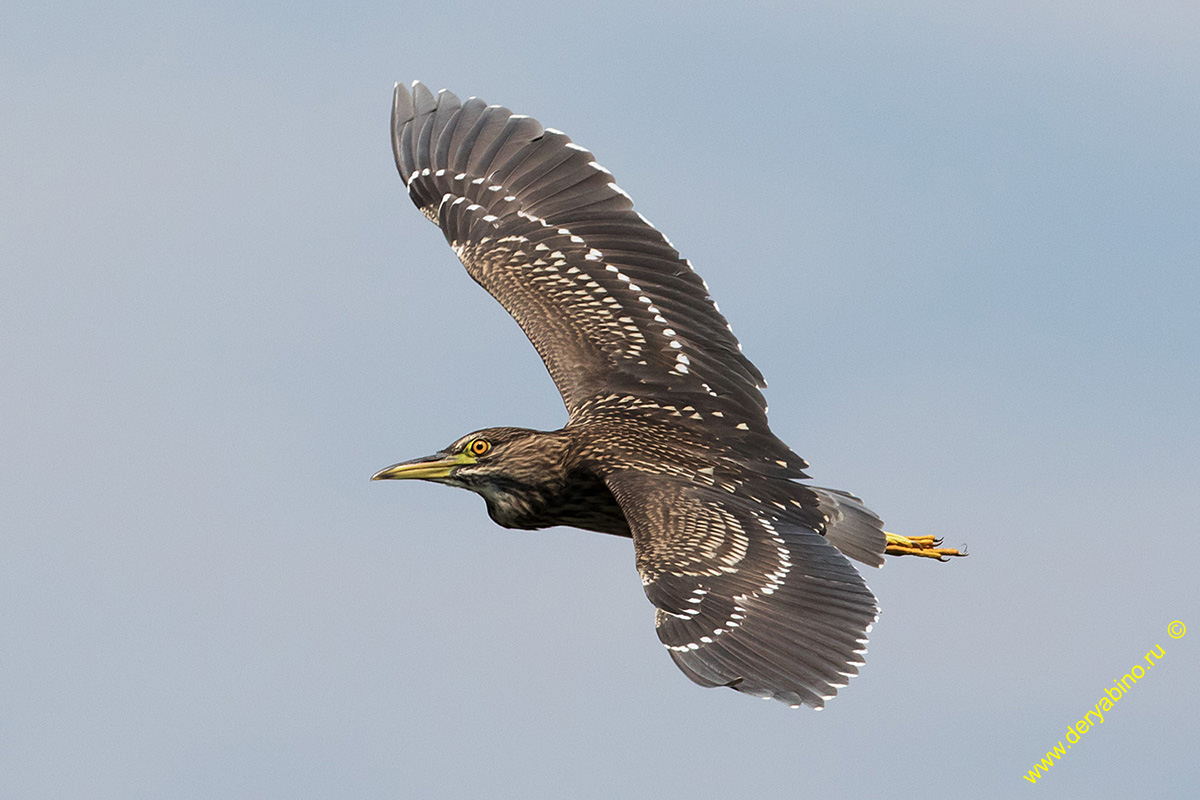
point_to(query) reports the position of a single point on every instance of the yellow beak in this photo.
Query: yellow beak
(439, 465)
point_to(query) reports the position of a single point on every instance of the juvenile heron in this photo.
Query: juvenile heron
(667, 440)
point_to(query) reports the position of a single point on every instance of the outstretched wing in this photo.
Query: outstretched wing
(746, 597)
(607, 301)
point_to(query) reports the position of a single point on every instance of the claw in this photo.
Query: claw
(926, 546)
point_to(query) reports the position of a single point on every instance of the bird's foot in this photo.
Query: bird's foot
(926, 546)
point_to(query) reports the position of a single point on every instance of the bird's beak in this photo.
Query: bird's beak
(438, 465)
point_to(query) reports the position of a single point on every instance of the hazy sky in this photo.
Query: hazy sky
(963, 246)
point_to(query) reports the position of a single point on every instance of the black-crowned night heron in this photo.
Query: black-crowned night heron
(667, 440)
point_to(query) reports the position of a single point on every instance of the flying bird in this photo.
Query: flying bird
(667, 440)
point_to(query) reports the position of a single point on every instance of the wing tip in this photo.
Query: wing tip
(408, 104)
(403, 109)
(423, 99)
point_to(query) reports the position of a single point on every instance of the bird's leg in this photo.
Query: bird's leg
(926, 546)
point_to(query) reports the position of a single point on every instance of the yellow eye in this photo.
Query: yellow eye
(478, 447)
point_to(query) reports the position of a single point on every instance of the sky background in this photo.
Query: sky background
(962, 243)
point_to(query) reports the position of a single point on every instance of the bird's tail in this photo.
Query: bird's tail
(852, 528)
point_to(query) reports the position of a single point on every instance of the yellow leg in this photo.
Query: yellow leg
(926, 546)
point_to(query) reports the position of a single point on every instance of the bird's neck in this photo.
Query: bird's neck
(558, 490)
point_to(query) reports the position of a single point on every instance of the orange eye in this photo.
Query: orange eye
(479, 447)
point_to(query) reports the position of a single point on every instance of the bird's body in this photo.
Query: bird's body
(668, 440)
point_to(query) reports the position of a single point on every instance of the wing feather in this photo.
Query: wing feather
(458, 148)
(608, 302)
(745, 597)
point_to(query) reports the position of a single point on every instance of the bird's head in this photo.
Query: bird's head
(514, 469)
(486, 460)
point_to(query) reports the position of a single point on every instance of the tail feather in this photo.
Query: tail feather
(852, 527)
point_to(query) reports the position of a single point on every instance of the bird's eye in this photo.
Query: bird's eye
(478, 447)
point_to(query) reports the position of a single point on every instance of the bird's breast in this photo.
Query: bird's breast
(581, 501)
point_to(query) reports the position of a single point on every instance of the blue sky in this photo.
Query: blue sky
(961, 244)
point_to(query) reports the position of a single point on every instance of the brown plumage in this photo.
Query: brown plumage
(668, 439)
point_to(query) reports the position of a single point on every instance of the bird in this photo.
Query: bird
(747, 565)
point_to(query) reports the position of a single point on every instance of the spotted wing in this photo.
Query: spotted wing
(605, 298)
(745, 598)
